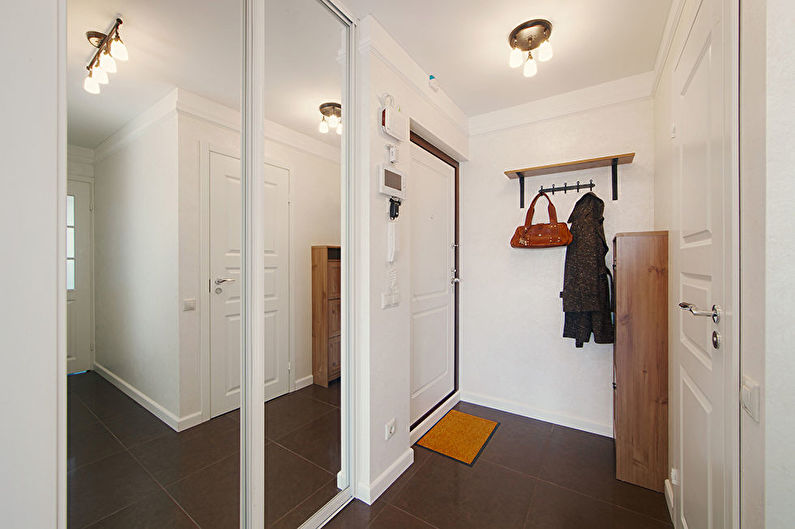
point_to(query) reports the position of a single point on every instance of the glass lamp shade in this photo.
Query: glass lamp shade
(516, 58)
(530, 67)
(545, 51)
(339, 129)
(99, 75)
(323, 127)
(91, 85)
(106, 63)
(333, 121)
(118, 50)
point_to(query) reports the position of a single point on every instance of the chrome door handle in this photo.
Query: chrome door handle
(454, 281)
(222, 280)
(715, 313)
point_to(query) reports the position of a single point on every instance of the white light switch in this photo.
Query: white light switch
(188, 304)
(749, 397)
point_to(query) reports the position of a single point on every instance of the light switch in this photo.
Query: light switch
(749, 397)
(188, 304)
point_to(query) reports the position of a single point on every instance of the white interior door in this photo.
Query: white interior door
(703, 252)
(225, 303)
(79, 277)
(430, 211)
(277, 281)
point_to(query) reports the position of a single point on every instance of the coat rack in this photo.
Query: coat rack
(612, 161)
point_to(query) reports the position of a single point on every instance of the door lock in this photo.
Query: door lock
(715, 340)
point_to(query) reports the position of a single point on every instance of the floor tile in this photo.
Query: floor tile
(355, 515)
(105, 400)
(135, 426)
(392, 518)
(77, 414)
(304, 510)
(212, 496)
(555, 508)
(176, 455)
(585, 463)
(156, 511)
(99, 489)
(82, 380)
(318, 441)
(289, 480)
(518, 443)
(449, 494)
(329, 395)
(88, 444)
(290, 412)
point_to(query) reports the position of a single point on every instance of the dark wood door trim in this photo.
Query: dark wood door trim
(435, 151)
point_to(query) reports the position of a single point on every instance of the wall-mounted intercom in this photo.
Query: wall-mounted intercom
(391, 182)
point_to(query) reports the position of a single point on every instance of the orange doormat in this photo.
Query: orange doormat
(459, 436)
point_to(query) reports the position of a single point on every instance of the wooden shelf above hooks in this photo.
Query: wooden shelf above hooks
(604, 161)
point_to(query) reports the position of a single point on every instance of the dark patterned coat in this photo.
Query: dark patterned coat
(586, 291)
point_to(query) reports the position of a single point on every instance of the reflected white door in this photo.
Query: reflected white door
(225, 288)
(703, 250)
(277, 281)
(79, 277)
(430, 212)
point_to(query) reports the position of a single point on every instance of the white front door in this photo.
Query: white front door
(702, 249)
(430, 213)
(225, 288)
(79, 277)
(277, 281)
(225, 237)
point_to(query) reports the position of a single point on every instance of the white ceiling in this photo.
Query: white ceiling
(465, 44)
(196, 46)
(176, 43)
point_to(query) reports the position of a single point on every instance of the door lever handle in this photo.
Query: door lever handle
(454, 281)
(222, 280)
(715, 313)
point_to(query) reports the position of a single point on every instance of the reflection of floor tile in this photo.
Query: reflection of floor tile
(289, 412)
(289, 480)
(318, 441)
(154, 511)
(89, 444)
(212, 496)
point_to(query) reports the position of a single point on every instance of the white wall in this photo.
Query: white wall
(382, 336)
(779, 281)
(33, 140)
(513, 355)
(136, 243)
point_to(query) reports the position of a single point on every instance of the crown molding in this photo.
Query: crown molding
(605, 94)
(79, 162)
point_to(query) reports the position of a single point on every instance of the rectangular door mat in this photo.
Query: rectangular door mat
(459, 436)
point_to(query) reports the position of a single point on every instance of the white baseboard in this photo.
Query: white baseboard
(176, 423)
(534, 413)
(369, 493)
(433, 418)
(669, 499)
(303, 382)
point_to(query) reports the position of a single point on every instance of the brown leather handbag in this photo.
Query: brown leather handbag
(541, 235)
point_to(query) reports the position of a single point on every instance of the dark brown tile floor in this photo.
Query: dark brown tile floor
(531, 475)
(126, 469)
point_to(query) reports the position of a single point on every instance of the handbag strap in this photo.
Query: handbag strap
(553, 215)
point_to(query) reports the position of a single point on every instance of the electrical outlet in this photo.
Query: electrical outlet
(389, 430)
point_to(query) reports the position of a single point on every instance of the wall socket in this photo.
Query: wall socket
(389, 430)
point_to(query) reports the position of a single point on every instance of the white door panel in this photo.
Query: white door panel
(430, 210)
(79, 292)
(704, 175)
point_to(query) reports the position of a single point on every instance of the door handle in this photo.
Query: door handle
(222, 280)
(715, 313)
(454, 281)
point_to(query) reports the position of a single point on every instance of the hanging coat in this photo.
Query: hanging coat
(586, 291)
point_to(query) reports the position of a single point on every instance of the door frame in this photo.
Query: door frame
(424, 144)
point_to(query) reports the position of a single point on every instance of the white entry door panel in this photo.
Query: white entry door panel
(703, 251)
(430, 211)
(79, 277)
(225, 279)
(277, 281)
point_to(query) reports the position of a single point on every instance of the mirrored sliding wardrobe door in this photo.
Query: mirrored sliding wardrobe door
(307, 75)
(154, 211)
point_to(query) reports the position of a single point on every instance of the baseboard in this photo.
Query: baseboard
(369, 493)
(303, 382)
(418, 431)
(669, 499)
(534, 413)
(176, 423)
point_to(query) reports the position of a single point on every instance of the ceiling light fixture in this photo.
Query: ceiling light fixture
(331, 117)
(110, 48)
(526, 38)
